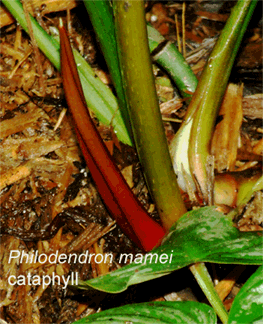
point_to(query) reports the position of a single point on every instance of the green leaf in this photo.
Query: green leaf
(155, 312)
(248, 304)
(203, 235)
(99, 97)
(101, 16)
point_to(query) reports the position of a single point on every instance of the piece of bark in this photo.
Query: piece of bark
(251, 56)
(15, 175)
(20, 122)
(225, 286)
(212, 16)
(253, 106)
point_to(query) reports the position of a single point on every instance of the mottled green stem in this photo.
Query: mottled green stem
(144, 109)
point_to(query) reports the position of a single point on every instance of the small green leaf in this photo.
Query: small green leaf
(155, 312)
(248, 304)
(203, 235)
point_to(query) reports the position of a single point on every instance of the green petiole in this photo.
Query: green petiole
(145, 116)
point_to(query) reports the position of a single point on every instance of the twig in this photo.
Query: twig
(183, 29)
(36, 50)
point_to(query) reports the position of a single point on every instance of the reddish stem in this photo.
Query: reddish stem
(118, 197)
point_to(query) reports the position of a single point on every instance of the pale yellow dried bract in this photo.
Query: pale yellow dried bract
(128, 175)
(225, 139)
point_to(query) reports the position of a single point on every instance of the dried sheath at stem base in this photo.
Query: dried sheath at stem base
(118, 197)
(225, 138)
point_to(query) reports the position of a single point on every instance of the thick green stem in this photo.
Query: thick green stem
(144, 110)
(168, 56)
(203, 278)
(99, 98)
